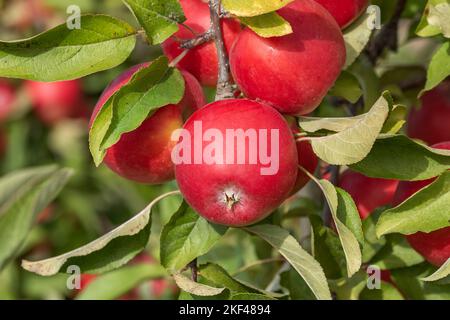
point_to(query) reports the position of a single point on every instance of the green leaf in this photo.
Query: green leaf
(349, 288)
(439, 67)
(348, 214)
(408, 281)
(349, 241)
(301, 261)
(395, 120)
(354, 143)
(114, 284)
(438, 17)
(327, 249)
(386, 292)
(108, 252)
(220, 277)
(298, 288)
(357, 36)
(195, 288)
(397, 253)
(250, 296)
(425, 211)
(398, 157)
(435, 19)
(187, 236)
(159, 18)
(268, 25)
(441, 273)
(347, 86)
(251, 8)
(336, 124)
(372, 244)
(149, 89)
(23, 195)
(101, 43)
(364, 71)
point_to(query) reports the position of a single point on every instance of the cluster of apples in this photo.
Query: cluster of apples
(430, 124)
(280, 77)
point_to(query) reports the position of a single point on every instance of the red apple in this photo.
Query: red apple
(200, 61)
(344, 11)
(144, 155)
(433, 246)
(368, 193)
(430, 122)
(229, 180)
(293, 72)
(56, 101)
(7, 97)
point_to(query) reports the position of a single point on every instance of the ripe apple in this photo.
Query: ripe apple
(144, 155)
(225, 173)
(293, 73)
(200, 61)
(56, 101)
(7, 97)
(430, 122)
(368, 193)
(344, 11)
(433, 246)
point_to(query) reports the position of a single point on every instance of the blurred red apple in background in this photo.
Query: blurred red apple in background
(433, 246)
(56, 101)
(368, 193)
(431, 122)
(344, 11)
(7, 98)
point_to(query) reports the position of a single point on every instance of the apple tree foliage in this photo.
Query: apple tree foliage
(317, 263)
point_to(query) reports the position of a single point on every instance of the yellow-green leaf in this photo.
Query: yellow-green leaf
(268, 25)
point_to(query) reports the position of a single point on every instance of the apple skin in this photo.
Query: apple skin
(206, 186)
(433, 246)
(344, 11)
(368, 193)
(293, 73)
(56, 101)
(144, 155)
(7, 98)
(200, 61)
(430, 123)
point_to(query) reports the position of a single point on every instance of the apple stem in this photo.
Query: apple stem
(225, 88)
(198, 40)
